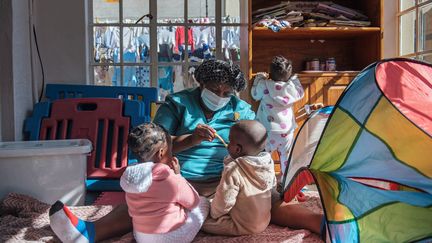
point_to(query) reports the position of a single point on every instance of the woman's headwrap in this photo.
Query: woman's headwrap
(221, 72)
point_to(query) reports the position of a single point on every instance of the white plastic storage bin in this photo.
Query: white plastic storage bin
(47, 170)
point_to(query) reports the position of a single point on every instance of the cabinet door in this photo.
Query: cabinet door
(332, 93)
(320, 89)
(333, 89)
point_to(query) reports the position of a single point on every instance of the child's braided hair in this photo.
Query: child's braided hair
(146, 139)
(221, 72)
(280, 68)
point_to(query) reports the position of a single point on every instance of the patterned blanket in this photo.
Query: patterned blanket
(25, 219)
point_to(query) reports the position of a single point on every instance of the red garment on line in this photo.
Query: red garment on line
(180, 38)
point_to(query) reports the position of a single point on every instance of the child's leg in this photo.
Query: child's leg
(115, 223)
(296, 216)
(197, 216)
(186, 232)
(272, 144)
(69, 227)
(195, 220)
(284, 147)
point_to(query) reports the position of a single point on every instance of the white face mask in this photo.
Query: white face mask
(212, 100)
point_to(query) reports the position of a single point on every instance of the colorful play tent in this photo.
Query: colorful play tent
(371, 156)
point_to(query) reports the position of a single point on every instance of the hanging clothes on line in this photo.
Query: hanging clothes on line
(180, 39)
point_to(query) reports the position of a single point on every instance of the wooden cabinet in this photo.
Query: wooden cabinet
(324, 88)
(354, 48)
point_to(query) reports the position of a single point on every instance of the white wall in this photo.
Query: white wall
(15, 71)
(22, 75)
(5, 62)
(61, 33)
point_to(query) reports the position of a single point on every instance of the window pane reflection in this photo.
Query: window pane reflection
(134, 76)
(407, 33)
(167, 38)
(426, 58)
(231, 43)
(105, 11)
(170, 10)
(201, 11)
(133, 10)
(425, 28)
(230, 11)
(165, 81)
(136, 45)
(106, 44)
(103, 75)
(204, 43)
(406, 4)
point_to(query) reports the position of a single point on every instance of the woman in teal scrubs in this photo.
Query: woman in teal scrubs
(193, 117)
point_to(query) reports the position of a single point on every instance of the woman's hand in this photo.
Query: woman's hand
(175, 165)
(203, 132)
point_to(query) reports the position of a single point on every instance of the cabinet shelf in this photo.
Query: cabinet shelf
(323, 73)
(316, 32)
(328, 74)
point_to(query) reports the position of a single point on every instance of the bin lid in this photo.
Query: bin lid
(44, 147)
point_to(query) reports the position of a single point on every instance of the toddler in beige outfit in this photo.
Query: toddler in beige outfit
(242, 202)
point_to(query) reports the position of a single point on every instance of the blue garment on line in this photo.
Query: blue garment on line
(129, 73)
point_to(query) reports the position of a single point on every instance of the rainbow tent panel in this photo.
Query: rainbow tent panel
(371, 155)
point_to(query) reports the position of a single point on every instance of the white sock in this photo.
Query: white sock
(68, 227)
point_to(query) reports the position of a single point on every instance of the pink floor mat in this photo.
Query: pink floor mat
(25, 219)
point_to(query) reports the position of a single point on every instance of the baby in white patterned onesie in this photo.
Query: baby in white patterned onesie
(277, 93)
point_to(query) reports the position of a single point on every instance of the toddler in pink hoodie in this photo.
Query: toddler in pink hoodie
(277, 94)
(164, 207)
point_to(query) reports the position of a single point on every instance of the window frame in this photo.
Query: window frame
(416, 8)
(154, 63)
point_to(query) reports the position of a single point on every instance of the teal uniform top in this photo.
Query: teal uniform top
(181, 113)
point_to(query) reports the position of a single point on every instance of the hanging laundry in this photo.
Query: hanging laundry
(180, 40)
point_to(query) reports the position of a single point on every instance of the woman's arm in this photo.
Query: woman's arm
(183, 142)
(169, 115)
(202, 132)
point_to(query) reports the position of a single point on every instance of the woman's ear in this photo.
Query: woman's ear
(201, 86)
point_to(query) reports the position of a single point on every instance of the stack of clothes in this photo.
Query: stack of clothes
(308, 14)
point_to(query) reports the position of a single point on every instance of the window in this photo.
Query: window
(415, 29)
(144, 43)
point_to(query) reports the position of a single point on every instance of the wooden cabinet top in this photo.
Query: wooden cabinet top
(316, 32)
